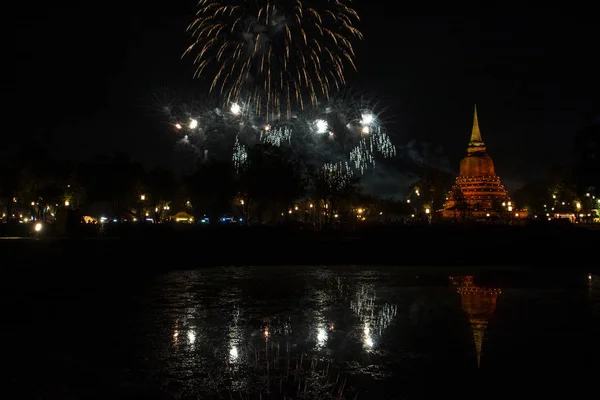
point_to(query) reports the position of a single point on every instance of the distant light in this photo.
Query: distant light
(178, 126)
(367, 119)
(193, 123)
(366, 130)
(67, 203)
(233, 354)
(235, 109)
(321, 126)
(38, 227)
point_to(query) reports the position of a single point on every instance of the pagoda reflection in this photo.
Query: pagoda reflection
(479, 304)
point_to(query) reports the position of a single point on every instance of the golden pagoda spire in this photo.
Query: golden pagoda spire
(476, 143)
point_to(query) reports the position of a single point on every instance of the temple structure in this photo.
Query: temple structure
(479, 304)
(478, 192)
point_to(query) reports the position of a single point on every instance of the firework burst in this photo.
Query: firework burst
(341, 137)
(278, 55)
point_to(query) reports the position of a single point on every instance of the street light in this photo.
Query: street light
(67, 203)
(142, 197)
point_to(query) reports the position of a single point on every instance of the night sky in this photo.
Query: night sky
(86, 76)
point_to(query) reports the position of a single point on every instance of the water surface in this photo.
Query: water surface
(305, 332)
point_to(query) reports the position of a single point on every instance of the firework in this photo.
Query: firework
(278, 55)
(337, 176)
(341, 138)
(240, 155)
(376, 318)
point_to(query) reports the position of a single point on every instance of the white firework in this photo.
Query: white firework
(343, 137)
(276, 136)
(240, 156)
(338, 175)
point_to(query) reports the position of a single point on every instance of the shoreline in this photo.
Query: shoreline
(394, 246)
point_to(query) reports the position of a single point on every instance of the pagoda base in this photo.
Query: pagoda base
(483, 214)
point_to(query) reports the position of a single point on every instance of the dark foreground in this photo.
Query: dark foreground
(164, 248)
(278, 332)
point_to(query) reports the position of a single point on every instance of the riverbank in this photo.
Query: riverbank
(190, 247)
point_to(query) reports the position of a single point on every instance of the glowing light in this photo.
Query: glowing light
(321, 337)
(368, 340)
(178, 126)
(321, 126)
(367, 119)
(366, 130)
(233, 354)
(191, 337)
(38, 227)
(193, 123)
(235, 109)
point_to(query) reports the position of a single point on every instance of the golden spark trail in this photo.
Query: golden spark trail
(282, 54)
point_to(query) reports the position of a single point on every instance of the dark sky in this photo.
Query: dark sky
(86, 75)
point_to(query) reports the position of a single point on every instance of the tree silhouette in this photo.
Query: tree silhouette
(586, 166)
(272, 180)
(211, 188)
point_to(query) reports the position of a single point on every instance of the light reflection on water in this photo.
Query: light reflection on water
(256, 329)
(318, 332)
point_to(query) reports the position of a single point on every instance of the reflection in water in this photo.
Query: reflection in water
(374, 319)
(479, 303)
(228, 335)
(594, 295)
(308, 332)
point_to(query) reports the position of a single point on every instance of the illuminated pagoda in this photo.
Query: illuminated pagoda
(479, 304)
(478, 192)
